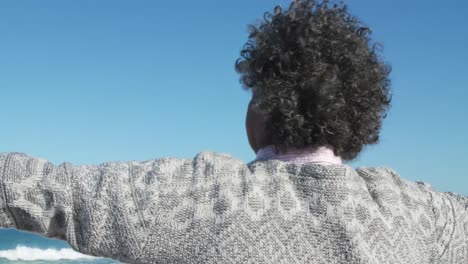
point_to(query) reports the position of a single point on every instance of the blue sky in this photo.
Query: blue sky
(94, 81)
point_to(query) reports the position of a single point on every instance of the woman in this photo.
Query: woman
(320, 92)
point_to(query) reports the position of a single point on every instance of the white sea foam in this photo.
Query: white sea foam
(29, 253)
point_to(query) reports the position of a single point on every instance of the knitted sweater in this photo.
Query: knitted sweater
(217, 209)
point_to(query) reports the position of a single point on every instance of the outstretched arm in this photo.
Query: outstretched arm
(451, 215)
(102, 210)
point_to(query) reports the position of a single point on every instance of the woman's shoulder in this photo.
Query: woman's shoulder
(387, 179)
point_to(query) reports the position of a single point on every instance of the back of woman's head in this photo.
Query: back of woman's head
(316, 78)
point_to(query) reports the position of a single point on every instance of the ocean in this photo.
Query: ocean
(23, 247)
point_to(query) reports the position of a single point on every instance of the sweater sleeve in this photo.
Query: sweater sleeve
(29, 195)
(451, 221)
(100, 210)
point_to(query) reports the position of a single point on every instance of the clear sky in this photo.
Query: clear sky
(93, 81)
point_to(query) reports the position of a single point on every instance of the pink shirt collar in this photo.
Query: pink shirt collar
(321, 155)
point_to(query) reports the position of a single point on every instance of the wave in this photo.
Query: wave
(28, 253)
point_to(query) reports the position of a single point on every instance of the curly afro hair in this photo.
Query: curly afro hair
(316, 78)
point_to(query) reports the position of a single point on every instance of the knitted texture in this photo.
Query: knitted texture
(217, 209)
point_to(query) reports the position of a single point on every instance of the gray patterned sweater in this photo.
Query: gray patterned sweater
(217, 209)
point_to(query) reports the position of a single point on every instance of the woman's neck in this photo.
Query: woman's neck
(319, 155)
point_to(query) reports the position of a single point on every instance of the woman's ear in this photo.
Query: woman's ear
(250, 127)
(255, 128)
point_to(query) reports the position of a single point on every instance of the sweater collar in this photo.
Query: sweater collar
(319, 155)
